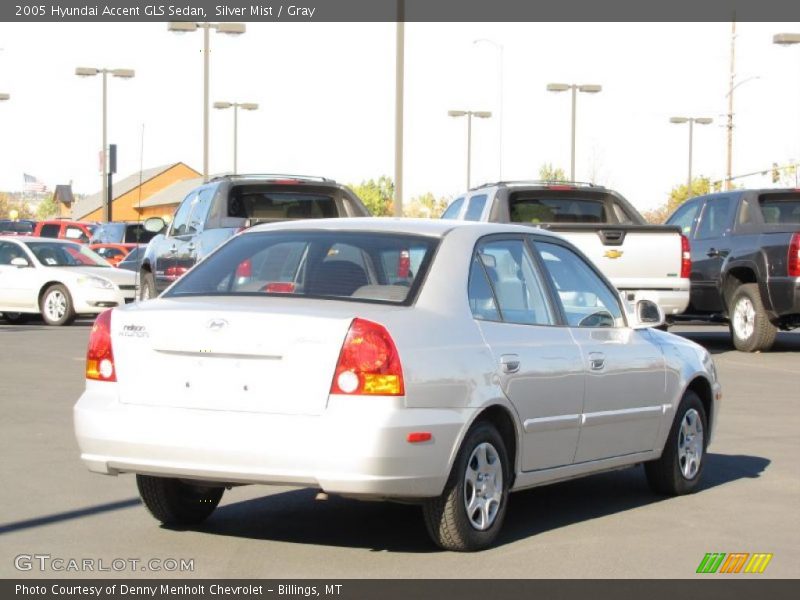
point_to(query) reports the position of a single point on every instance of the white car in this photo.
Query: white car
(438, 362)
(59, 279)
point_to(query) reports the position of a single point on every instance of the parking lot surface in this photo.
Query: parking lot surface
(607, 525)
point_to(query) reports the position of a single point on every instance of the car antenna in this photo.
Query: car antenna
(137, 281)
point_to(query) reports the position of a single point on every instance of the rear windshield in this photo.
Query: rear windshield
(362, 266)
(542, 209)
(17, 226)
(268, 205)
(782, 209)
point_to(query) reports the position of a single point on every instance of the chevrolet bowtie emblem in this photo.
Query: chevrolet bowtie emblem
(613, 254)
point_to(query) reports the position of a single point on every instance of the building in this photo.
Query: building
(167, 183)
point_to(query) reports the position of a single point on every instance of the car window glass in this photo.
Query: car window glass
(684, 217)
(475, 208)
(453, 210)
(586, 299)
(50, 230)
(517, 287)
(715, 218)
(201, 205)
(622, 216)
(9, 251)
(180, 222)
(481, 298)
(75, 233)
(783, 208)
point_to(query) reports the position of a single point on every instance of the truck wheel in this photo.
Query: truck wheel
(469, 513)
(147, 286)
(56, 306)
(750, 327)
(174, 502)
(681, 464)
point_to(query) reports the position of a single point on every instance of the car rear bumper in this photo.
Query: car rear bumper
(357, 446)
(672, 302)
(784, 295)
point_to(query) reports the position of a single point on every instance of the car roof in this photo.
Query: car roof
(427, 227)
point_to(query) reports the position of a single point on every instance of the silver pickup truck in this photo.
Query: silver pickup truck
(643, 261)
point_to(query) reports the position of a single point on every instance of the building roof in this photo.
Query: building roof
(63, 194)
(172, 194)
(89, 204)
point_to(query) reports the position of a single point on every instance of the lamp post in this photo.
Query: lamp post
(236, 106)
(5, 97)
(124, 74)
(500, 64)
(481, 114)
(691, 121)
(228, 28)
(786, 39)
(586, 88)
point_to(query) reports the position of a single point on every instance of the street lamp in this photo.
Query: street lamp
(786, 39)
(691, 121)
(185, 27)
(481, 114)
(5, 97)
(500, 63)
(236, 106)
(585, 88)
(124, 74)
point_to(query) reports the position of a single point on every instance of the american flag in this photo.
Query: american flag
(32, 184)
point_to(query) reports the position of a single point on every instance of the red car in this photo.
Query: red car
(76, 231)
(113, 253)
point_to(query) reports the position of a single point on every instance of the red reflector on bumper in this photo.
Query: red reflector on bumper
(418, 436)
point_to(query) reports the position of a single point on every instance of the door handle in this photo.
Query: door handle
(174, 249)
(597, 361)
(712, 252)
(509, 363)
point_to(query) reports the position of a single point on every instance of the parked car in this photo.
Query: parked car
(130, 232)
(58, 279)
(113, 253)
(76, 231)
(132, 261)
(16, 227)
(745, 262)
(414, 360)
(216, 211)
(641, 260)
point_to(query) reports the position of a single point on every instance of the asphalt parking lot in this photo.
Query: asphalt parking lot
(608, 525)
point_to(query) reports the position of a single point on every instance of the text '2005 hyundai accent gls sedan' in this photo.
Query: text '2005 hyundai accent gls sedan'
(437, 362)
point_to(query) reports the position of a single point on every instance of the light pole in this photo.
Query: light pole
(691, 121)
(786, 39)
(587, 88)
(500, 64)
(236, 106)
(230, 29)
(5, 97)
(91, 72)
(481, 114)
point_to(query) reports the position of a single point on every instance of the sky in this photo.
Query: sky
(326, 96)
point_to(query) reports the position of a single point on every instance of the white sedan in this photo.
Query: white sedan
(436, 362)
(59, 279)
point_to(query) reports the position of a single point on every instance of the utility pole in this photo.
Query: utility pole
(729, 162)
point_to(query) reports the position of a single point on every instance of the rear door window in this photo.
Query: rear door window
(475, 208)
(715, 219)
(50, 230)
(454, 208)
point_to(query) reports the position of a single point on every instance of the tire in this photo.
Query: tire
(680, 467)
(15, 318)
(174, 502)
(751, 329)
(482, 459)
(56, 306)
(147, 286)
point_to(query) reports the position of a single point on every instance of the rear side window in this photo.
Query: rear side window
(475, 208)
(50, 230)
(715, 219)
(267, 205)
(783, 209)
(481, 298)
(363, 266)
(530, 209)
(453, 210)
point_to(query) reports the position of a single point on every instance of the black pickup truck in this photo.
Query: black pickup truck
(745, 247)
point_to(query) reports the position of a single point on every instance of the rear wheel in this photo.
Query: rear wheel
(56, 306)
(470, 512)
(174, 502)
(750, 326)
(147, 286)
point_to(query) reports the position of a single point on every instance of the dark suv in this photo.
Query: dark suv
(217, 210)
(121, 233)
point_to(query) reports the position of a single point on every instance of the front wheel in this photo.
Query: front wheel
(750, 326)
(470, 512)
(56, 306)
(680, 467)
(174, 502)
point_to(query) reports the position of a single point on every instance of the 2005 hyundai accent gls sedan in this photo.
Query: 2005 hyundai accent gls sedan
(432, 361)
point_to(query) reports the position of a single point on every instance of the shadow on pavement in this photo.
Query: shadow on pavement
(68, 515)
(298, 518)
(717, 342)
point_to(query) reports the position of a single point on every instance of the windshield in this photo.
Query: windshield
(782, 209)
(268, 205)
(54, 254)
(363, 266)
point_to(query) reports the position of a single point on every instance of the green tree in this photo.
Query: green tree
(11, 207)
(426, 206)
(547, 172)
(377, 196)
(677, 196)
(47, 209)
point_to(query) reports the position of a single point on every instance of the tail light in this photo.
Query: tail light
(793, 264)
(368, 363)
(99, 355)
(279, 287)
(404, 264)
(686, 258)
(245, 269)
(174, 272)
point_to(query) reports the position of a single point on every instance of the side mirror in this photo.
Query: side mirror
(648, 314)
(155, 225)
(20, 262)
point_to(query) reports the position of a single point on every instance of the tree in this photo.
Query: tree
(15, 208)
(549, 173)
(47, 209)
(677, 196)
(377, 196)
(427, 206)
